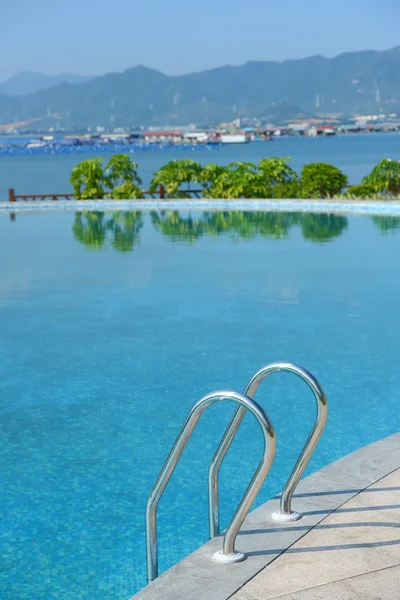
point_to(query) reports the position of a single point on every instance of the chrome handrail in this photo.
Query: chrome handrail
(285, 511)
(228, 553)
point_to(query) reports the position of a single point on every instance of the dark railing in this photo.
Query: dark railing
(13, 197)
(160, 193)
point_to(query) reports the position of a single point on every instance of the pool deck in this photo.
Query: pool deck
(352, 553)
(346, 546)
(374, 207)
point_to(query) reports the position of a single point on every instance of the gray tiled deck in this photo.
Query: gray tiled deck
(377, 585)
(349, 534)
(353, 553)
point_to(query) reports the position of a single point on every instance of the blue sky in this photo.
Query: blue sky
(176, 36)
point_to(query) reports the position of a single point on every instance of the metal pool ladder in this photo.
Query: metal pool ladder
(245, 402)
(285, 514)
(228, 554)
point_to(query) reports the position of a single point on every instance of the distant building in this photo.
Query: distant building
(319, 130)
(347, 128)
(297, 128)
(195, 137)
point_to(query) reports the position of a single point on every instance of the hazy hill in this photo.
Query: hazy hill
(28, 82)
(362, 82)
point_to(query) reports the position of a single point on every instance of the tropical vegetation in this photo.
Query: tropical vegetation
(269, 178)
(118, 180)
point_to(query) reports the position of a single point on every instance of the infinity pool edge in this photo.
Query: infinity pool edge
(388, 207)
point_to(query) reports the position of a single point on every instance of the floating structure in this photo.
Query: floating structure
(234, 138)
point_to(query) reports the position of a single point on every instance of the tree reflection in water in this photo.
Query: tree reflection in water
(177, 227)
(98, 229)
(322, 227)
(124, 228)
(248, 225)
(121, 229)
(387, 225)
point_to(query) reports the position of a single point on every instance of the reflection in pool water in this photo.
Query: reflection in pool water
(97, 229)
(121, 229)
(387, 224)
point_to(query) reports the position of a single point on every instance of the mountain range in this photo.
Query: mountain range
(356, 82)
(27, 82)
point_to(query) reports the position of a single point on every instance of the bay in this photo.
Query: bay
(355, 154)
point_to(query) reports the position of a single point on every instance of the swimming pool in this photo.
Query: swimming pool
(114, 324)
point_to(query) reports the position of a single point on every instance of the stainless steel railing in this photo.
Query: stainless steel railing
(285, 513)
(228, 554)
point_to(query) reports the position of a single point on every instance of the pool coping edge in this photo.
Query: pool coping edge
(388, 207)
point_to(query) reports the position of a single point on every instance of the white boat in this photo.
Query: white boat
(234, 138)
(36, 145)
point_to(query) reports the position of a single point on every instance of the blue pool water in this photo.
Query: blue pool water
(113, 325)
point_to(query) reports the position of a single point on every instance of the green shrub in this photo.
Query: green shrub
(118, 180)
(88, 179)
(126, 191)
(213, 179)
(175, 174)
(271, 178)
(242, 180)
(247, 180)
(237, 180)
(385, 177)
(276, 171)
(321, 180)
(360, 191)
(122, 178)
(289, 189)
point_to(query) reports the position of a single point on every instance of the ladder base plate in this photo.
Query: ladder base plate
(282, 518)
(228, 559)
